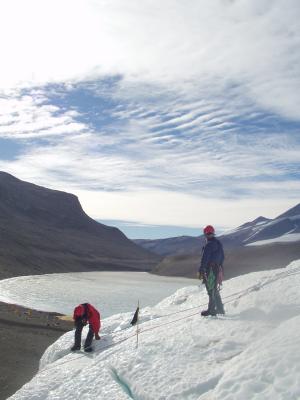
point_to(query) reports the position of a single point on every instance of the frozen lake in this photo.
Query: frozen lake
(110, 292)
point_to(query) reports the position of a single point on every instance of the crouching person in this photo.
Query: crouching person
(86, 314)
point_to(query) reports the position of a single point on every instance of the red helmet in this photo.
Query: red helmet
(209, 230)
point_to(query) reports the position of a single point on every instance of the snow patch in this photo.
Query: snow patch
(250, 353)
(287, 238)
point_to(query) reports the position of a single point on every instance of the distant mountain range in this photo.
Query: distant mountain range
(46, 231)
(256, 245)
(285, 227)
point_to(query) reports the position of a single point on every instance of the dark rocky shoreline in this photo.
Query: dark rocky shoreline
(24, 336)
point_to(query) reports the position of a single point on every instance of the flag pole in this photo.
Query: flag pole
(137, 328)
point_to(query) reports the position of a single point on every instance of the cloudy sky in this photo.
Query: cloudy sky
(162, 116)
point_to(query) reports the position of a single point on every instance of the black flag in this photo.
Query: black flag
(135, 317)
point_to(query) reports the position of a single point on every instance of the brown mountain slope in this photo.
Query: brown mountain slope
(46, 231)
(238, 261)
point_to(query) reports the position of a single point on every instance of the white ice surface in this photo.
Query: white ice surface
(111, 292)
(250, 353)
(290, 237)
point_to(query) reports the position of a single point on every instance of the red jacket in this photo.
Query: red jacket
(88, 312)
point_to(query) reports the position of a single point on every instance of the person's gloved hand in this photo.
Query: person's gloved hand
(97, 337)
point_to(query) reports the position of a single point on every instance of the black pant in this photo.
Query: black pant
(88, 341)
(215, 305)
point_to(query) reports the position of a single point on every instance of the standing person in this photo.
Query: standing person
(83, 314)
(211, 271)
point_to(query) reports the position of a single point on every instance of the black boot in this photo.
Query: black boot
(75, 347)
(206, 313)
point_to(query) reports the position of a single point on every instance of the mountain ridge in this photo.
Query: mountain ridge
(260, 228)
(260, 244)
(45, 231)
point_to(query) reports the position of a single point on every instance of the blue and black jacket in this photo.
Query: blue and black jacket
(212, 255)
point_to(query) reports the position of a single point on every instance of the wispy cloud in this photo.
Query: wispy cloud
(253, 44)
(29, 116)
(134, 103)
(128, 152)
